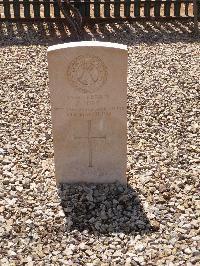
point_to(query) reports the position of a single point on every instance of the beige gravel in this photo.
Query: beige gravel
(155, 220)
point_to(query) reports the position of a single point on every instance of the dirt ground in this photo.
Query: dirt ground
(154, 221)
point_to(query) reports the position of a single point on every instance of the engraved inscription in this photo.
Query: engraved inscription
(87, 99)
(90, 112)
(88, 115)
(90, 139)
(87, 73)
(112, 108)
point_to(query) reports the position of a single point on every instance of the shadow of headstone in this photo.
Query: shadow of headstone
(104, 209)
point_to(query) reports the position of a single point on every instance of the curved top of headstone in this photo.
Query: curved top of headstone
(87, 44)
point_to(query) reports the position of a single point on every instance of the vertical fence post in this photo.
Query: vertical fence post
(157, 7)
(127, 8)
(6, 6)
(56, 9)
(36, 8)
(96, 9)
(16, 8)
(87, 8)
(167, 8)
(107, 9)
(177, 8)
(147, 6)
(47, 9)
(137, 8)
(186, 3)
(27, 13)
(116, 8)
(195, 12)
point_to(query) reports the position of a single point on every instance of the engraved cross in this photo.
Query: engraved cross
(90, 139)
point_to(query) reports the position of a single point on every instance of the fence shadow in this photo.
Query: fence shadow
(127, 33)
(148, 32)
(103, 209)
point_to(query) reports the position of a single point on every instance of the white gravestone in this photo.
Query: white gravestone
(88, 89)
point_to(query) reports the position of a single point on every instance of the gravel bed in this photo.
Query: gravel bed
(152, 221)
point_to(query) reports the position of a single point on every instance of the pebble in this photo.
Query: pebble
(68, 251)
(187, 251)
(139, 247)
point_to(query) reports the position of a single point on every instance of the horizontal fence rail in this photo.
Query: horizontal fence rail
(99, 10)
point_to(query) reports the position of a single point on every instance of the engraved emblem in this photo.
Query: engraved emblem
(87, 73)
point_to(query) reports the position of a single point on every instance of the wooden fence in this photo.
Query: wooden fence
(99, 10)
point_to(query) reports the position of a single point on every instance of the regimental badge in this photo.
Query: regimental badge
(87, 73)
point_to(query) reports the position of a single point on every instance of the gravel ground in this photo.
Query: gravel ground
(152, 221)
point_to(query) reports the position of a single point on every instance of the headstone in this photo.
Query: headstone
(88, 89)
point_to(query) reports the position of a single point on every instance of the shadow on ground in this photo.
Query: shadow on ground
(104, 209)
(129, 33)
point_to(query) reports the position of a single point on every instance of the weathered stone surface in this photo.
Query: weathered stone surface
(88, 97)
